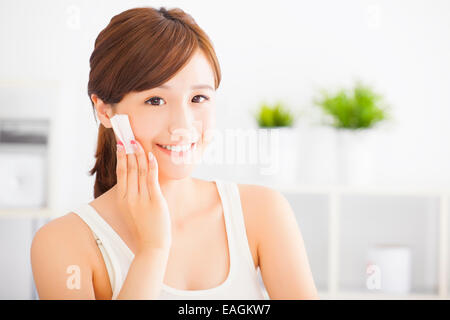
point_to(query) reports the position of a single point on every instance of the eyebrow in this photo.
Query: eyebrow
(198, 86)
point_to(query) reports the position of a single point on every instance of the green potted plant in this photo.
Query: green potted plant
(359, 108)
(274, 116)
(354, 113)
(278, 141)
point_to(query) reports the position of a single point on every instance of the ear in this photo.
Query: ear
(104, 111)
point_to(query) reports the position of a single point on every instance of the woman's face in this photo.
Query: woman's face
(180, 112)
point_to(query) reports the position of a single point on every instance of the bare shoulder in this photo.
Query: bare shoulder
(254, 191)
(68, 231)
(262, 201)
(281, 252)
(58, 248)
(262, 208)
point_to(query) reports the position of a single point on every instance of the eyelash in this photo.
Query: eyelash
(199, 95)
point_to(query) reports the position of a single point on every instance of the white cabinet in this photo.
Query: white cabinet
(16, 234)
(340, 224)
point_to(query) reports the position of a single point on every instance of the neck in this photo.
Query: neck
(176, 192)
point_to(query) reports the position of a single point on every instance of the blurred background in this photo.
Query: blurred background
(365, 167)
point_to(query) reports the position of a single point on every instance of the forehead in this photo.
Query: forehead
(198, 70)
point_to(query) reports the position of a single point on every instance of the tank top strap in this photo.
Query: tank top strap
(102, 235)
(232, 200)
(227, 204)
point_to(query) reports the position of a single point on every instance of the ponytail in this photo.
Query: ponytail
(105, 164)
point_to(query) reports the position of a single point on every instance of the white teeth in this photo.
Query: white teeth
(183, 148)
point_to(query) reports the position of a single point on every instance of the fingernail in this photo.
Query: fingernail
(150, 156)
(120, 147)
(120, 142)
(134, 145)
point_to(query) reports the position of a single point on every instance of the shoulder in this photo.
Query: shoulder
(264, 193)
(57, 249)
(62, 232)
(68, 234)
(282, 256)
(263, 201)
(264, 207)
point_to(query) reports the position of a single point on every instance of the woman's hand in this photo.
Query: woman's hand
(139, 194)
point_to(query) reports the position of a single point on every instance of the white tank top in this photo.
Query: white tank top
(242, 282)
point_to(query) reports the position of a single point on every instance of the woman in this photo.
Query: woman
(152, 231)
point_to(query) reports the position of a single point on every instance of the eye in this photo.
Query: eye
(205, 97)
(154, 99)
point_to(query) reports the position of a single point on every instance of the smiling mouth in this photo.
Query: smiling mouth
(176, 150)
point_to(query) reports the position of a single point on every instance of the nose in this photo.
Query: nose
(181, 127)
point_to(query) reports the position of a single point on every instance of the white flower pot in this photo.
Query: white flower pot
(316, 153)
(278, 155)
(354, 157)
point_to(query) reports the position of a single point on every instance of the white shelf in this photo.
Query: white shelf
(355, 295)
(361, 190)
(335, 192)
(27, 213)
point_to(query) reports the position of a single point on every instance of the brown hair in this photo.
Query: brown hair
(140, 48)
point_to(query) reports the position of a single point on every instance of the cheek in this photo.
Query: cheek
(208, 126)
(146, 130)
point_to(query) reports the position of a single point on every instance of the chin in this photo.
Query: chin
(176, 173)
(175, 168)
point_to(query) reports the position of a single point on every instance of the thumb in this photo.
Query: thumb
(152, 177)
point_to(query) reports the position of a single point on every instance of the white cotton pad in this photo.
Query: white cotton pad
(122, 129)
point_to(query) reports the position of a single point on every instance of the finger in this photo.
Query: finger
(152, 177)
(132, 176)
(142, 170)
(121, 171)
